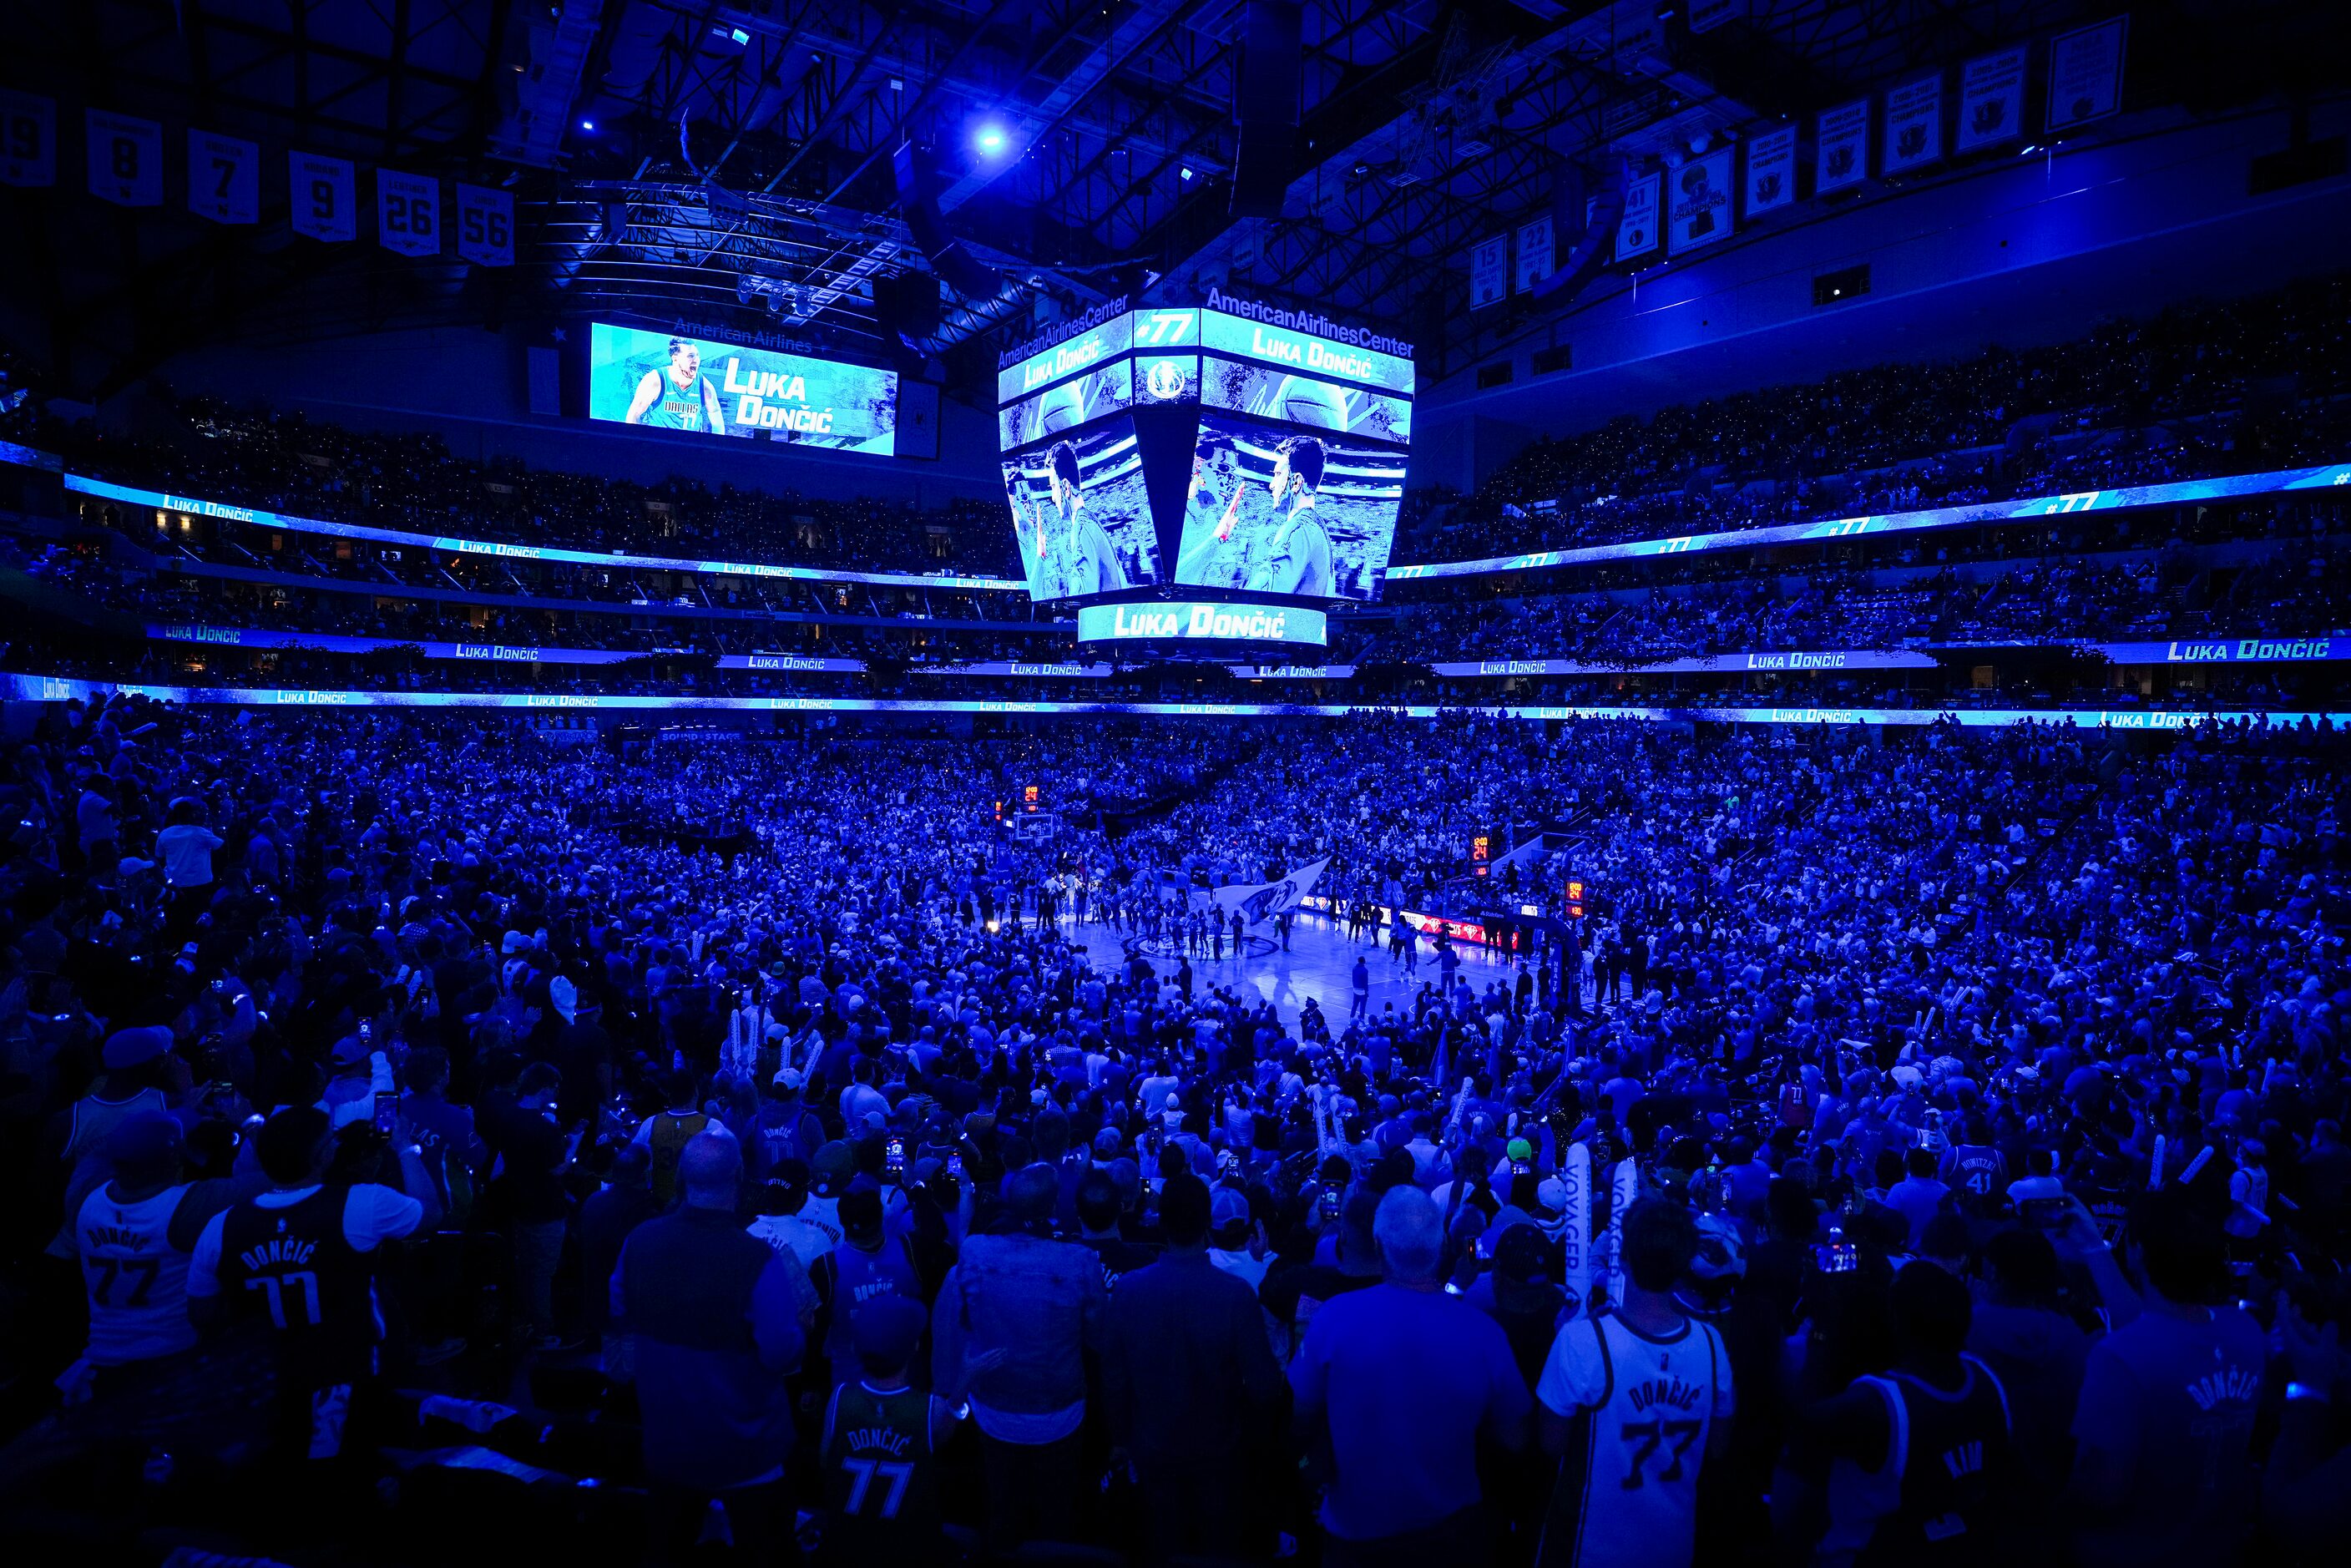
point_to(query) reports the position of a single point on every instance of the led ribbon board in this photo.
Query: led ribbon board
(130, 495)
(1149, 624)
(61, 688)
(2167, 494)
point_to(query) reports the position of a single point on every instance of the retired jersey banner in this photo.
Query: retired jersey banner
(1841, 147)
(28, 140)
(223, 178)
(1700, 213)
(1490, 268)
(1636, 232)
(126, 160)
(1535, 251)
(323, 196)
(485, 225)
(1914, 124)
(1771, 171)
(2086, 73)
(408, 212)
(1992, 99)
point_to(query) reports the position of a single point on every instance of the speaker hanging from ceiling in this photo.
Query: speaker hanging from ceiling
(1589, 210)
(1272, 64)
(918, 204)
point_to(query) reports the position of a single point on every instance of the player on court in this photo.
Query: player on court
(1632, 1401)
(679, 398)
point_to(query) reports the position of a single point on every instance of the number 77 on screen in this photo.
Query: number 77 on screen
(1161, 326)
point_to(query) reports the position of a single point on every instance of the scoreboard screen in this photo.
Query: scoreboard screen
(1261, 450)
(664, 381)
(1287, 509)
(1081, 514)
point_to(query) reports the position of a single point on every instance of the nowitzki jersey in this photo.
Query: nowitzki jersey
(1644, 1407)
(137, 1282)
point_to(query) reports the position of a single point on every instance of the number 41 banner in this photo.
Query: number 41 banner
(485, 225)
(408, 212)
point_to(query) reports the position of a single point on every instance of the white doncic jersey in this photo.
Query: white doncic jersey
(1627, 1492)
(137, 1282)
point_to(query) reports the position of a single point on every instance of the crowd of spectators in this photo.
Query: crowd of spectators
(443, 1131)
(2201, 390)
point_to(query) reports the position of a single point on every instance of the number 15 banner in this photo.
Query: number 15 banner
(323, 196)
(408, 212)
(485, 225)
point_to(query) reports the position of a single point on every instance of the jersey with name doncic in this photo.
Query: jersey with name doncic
(1643, 1408)
(137, 1282)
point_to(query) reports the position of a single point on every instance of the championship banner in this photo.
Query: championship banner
(1636, 232)
(2086, 74)
(1841, 147)
(1914, 124)
(407, 212)
(485, 225)
(1261, 901)
(1699, 214)
(1992, 99)
(1771, 171)
(1534, 253)
(323, 196)
(126, 160)
(1489, 266)
(28, 140)
(1575, 1227)
(223, 178)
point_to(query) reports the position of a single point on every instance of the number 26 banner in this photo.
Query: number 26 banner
(408, 212)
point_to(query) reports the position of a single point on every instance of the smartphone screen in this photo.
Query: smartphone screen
(894, 1154)
(387, 1111)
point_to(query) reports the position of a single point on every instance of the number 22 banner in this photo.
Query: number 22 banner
(408, 212)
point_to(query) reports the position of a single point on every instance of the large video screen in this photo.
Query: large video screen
(1081, 514)
(1287, 511)
(1294, 399)
(668, 382)
(1080, 401)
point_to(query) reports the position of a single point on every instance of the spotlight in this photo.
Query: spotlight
(1185, 171)
(739, 35)
(587, 125)
(990, 139)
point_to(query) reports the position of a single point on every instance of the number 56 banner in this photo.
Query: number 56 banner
(408, 212)
(485, 225)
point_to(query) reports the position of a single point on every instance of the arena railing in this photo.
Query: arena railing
(59, 688)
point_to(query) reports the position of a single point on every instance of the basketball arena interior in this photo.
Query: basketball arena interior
(1123, 782)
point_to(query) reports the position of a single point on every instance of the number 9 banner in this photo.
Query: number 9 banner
(323, 196)
(485, 225)
(408, 212)
(126, 160)
(28, 140)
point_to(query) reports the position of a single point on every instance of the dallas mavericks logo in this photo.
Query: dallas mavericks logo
(1267, 901)
(1166, 381)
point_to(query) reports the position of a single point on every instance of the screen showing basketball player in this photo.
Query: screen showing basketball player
(662, 380)
(1081, 514)
(1278, 509)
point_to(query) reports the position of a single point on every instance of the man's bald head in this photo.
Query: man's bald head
(707, 1168)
